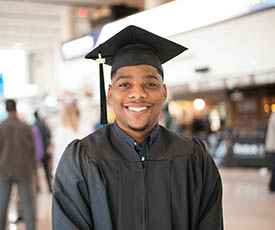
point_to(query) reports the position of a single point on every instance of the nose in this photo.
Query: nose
(137, 92)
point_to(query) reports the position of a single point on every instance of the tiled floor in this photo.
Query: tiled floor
(248, 205)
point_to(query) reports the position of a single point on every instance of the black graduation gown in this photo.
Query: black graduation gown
(100, 184)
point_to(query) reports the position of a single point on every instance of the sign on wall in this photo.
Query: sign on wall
(1, 85)
(248, 152)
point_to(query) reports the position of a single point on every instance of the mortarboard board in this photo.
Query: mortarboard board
(132, 46)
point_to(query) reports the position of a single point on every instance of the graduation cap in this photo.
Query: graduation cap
(132, 46)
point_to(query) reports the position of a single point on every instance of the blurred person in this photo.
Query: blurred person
(39, 150)
(167, 120)
(134, 174)
(17, 165)
(270, 148)
(217, 143)
(70, 128)
(185, 130)
(200, 129)
(38, 141)
(43, 152)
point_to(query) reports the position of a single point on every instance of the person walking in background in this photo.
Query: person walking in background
(46, 141)
(17, 165)
(270, 148)
(39, 150)
(70, 128)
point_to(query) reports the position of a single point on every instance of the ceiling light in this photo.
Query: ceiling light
(199, 104)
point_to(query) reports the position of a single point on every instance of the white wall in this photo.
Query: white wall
(42, 69)
(231, 49)
(81, 73)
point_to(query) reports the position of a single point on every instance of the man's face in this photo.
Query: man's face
(137, 94)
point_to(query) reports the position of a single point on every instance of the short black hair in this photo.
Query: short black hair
(10, 105)
(161, 74)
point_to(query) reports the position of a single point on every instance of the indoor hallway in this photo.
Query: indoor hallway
(248, 205)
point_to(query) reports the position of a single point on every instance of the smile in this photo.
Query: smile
(137, 109)
(140, 108)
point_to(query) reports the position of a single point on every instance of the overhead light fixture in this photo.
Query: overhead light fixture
(199, 104)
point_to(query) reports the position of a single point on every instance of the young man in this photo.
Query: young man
(135, 174)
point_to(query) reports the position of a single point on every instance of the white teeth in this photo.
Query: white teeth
(137, 109)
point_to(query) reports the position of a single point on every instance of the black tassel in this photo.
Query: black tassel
(103, 107)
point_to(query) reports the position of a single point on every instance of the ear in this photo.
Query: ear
(164, 95)
(109, 96)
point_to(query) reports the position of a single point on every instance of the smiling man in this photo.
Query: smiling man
(135, 174)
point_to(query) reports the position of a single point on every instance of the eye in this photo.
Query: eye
(151, 85)
(124, 85)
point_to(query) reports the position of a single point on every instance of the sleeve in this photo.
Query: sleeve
(70, 208)
(210, 211)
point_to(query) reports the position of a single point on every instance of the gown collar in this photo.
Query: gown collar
(148, 140)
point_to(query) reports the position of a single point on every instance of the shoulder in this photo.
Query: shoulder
(27, 128)
(87, 147)
(6, 122)
(183, 146)
(2, 124)
(180, 143)
(189, 151)
(19, 124)
(12, 125)
(59, 129)
(74, 159)
(171, 136)
(94, 142)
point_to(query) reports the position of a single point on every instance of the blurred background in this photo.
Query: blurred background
(221, 90)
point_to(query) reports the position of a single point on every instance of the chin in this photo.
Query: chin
(138, 128)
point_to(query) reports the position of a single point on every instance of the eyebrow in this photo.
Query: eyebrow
(129, 77)
(122, 77)
(151, 76)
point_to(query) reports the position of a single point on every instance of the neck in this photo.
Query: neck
(12, 113)
(137, 134)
